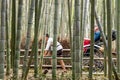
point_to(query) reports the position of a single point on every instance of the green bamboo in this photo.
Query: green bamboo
(104, 28)
(30, 60)
(70, 24)
(46, 15)
(50, 14)
(83, 25)
(109, 39)
(30, 18)
(77, 39)
(92, 39)
(73, 54)
(62, 13)
(38, 6)
(70, 35)
(118, 34)
(2, 38)
(41, 54)
(61, 19)
(13, 31)
(42, 46)
(25, 16)
(7, 38)
(17, 42)
(54, 55)
(42, 20)
(73, 47)
(35, 43)
(36, 26)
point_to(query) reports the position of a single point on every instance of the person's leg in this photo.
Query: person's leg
(62, 65)
(59, 53)
(50, 54)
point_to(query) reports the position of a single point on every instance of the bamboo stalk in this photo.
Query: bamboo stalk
(118, 34)
(54, 55)
(7, 37)
(109, 39)
(30, 18)
(104, 28)
(17, 42)
(35, 42)
(2, 38)
(83, 25)
(13, 31)
(92, 39)
(37, 26)
(77, 67)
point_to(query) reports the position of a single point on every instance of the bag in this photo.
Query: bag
(114, 35)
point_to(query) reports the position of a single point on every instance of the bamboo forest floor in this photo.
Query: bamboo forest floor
(60, 75)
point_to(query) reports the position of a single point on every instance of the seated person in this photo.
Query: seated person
(96, 38)
(96, 34)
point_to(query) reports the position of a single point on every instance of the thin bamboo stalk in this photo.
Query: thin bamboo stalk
(13, 31)
(118, 34)
(17, 42)
(7, 37)
(82, 34)
(37, 19)
(83, 22)
(35, 42)
(73, 46)
(77, 40)
(92, 39)
(104, 28)
(30, 18)
(2, 38)
(109, 39)
(54, 55)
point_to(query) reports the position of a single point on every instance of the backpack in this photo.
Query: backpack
(114, 35)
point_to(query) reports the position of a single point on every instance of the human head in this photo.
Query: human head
(46, 36)
(96, 29)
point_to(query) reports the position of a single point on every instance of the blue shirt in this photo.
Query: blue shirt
(97, 36)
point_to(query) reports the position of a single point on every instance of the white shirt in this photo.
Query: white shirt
(50, 45)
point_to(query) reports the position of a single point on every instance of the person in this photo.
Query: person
(48, 50)
(96, 33)
(96, 38)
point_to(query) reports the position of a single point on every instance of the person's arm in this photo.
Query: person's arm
(47, 48)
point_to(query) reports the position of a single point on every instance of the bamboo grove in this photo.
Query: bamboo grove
(25, 22)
